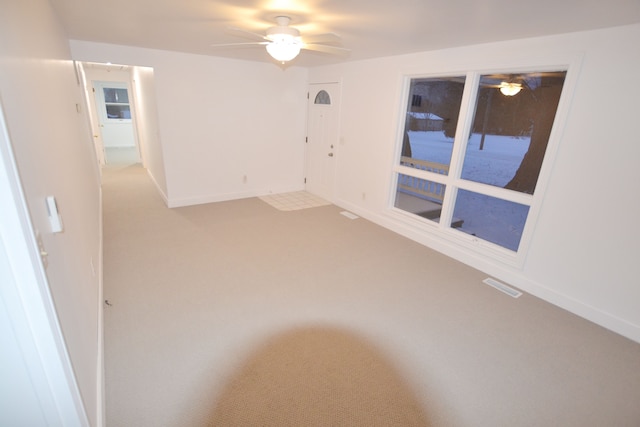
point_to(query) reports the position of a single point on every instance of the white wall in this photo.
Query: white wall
(584, 251)
(38, 386)
(148, 127)
(54, 156)
(221, 120)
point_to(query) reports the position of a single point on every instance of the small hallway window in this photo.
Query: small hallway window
(116, 102)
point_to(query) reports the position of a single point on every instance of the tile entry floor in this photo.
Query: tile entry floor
(294, 201)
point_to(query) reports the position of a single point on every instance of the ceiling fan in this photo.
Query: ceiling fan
(512, 84)
(284, 42)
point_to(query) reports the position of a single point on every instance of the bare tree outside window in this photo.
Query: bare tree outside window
(508, 137)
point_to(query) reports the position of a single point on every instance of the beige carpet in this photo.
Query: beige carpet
(239, 314)
(317, 377)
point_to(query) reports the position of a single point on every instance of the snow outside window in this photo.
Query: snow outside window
(472, 150)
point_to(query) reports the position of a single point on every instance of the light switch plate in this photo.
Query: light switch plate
(54, 216)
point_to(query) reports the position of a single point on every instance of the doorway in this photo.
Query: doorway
(114, 111)
(322, 139)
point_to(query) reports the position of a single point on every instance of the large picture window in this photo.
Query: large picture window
(472, 151)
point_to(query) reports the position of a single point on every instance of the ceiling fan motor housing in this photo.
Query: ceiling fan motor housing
(284, 42)
(288, 32)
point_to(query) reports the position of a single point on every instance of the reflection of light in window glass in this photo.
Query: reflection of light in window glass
(495, 220)
(510, 133)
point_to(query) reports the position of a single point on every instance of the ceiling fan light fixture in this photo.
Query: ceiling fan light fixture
(510, 89)
(284, 43)
(283, 47)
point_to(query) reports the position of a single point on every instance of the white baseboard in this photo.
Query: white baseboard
(100, 378)
(213, 198)
(160, 190)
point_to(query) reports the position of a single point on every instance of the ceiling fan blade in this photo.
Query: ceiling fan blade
(332, 50)
(322, 38)
(238, 44)
(245, 33)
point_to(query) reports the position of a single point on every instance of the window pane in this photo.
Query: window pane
(433, 106)
(419, 196)
(495, 220)
(511, 132)
(322, 98)
(116, 95)
(118, 112)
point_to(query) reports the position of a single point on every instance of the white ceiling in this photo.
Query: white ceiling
(369, 28)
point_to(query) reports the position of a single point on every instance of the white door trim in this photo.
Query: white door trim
(118, 128)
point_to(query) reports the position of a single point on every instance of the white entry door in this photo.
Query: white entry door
(322, 139)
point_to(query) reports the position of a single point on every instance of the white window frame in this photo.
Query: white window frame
(453, 180)
(100, 87)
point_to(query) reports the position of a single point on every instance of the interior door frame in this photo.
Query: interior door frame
(334, 89)
(26, 301)
(101, 112)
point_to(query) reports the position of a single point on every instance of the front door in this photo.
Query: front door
(322, 139)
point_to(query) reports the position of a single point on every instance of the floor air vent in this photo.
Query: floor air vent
(502, 287)
(349, 215)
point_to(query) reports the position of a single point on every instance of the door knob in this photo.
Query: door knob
(330, 154)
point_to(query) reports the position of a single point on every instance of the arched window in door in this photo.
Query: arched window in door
(322, 98)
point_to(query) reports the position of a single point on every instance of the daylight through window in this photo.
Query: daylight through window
(116, 102)
(478, 178)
